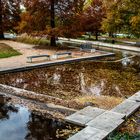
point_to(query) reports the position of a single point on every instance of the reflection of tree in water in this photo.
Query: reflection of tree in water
(29, 125)
(42, 129)
(6, 109)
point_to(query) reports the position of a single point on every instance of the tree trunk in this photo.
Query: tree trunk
(89, 36)
(96, 34)
(111, 34)
(53, 39)
(1, 25)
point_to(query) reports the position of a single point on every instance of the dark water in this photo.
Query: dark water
(17, 123)
(69, 81)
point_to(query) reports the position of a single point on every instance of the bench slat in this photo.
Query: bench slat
(36, 56)
(64, 53)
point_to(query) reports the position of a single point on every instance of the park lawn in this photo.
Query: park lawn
(7, 51)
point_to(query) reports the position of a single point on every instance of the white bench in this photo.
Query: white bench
(86, 47)
(29, 58)
(56, 55)
(138, 44)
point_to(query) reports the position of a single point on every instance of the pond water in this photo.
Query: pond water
(18, 123)
(69, 81)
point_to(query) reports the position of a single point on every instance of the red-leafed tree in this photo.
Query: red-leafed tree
(1, 27)
(93, 16)
(52, 17)
(9, 15)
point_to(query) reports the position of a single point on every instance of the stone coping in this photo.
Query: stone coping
(53, 63)
(100, 123)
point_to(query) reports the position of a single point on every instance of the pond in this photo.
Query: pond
(18, 123)
(117, 77)
(68, 81)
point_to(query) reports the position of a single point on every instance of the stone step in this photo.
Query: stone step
(135, 97)
(128, 107)
(108, 121)
(89, 133)
(100, 123)
(84, 116)
(78, 119)
(91, 111)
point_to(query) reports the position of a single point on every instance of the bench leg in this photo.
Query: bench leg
(29, 60)
(92, 50)
(69, 56)
(53, 57)
(47, 58)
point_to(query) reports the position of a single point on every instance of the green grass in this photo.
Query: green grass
(124, 136)
(7, 51)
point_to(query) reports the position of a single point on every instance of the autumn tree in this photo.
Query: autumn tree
(1, 26)
(93, 16)
(51, 17)
(112, 23)
(134, 18)
(9, 15)
(71, 24)
(122, 16)
(34, 18)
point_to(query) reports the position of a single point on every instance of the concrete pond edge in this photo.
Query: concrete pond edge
(53, 63)
(100, 123)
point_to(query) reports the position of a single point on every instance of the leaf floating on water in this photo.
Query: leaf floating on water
(67, 132)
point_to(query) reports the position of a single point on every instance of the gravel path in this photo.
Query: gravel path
(29, 50)
(26, 50)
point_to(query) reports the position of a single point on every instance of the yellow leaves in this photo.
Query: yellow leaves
(135, 21)
(131, 126)
(87, 3)
(67, 132)
(105, 102)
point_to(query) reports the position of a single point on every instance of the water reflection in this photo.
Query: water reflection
(92, 89)
(17, 123)
(4, 109)
(126, 59)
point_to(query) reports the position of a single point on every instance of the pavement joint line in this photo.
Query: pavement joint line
(117, 123)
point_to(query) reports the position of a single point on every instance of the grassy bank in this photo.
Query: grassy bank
(7, 51)
(125, 136)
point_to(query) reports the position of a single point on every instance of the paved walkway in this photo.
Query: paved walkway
(100, 123)
(115, 46)
(19, 61)
(28, 50)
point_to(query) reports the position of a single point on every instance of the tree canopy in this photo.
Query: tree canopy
(70, 18)
(9, 15)
(122, 16)
(52, 17)
(92, 17)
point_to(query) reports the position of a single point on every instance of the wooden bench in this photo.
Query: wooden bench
(29, 58)
(87, 47)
